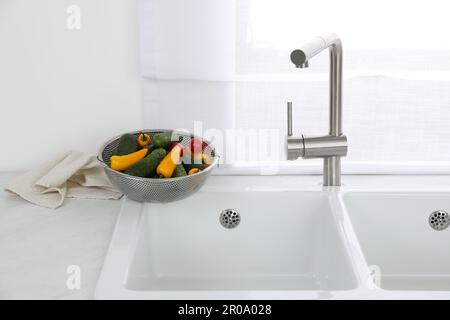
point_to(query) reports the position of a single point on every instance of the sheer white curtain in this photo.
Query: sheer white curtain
(226, 63)
(188, 62)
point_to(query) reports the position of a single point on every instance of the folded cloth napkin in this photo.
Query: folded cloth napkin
(72, 175)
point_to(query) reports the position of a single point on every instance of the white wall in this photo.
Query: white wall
(62, 89)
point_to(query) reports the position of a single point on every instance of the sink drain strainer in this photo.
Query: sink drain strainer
(230, 218)
(439, 220)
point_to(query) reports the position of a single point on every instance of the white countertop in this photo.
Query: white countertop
(38, 244)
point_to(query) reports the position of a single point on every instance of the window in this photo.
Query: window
(227, 63)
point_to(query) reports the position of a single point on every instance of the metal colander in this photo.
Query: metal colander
(156, 190)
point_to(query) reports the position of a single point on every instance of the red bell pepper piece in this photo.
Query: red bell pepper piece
(197, 146)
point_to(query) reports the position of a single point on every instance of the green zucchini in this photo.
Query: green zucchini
(162, 140)
(150, 147)
(179, 171)
(147, 166)
(154, 175)
(127, 144)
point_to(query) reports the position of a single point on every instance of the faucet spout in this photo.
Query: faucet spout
(300, 58)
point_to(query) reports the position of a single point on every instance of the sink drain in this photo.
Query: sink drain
(230, 218)
(439, 220)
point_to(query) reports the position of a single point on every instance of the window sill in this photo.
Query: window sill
(348, 167)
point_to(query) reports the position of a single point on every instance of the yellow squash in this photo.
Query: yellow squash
(121, 163)
(193, 171)
(167, 166)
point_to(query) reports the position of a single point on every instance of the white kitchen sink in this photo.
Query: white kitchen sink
(286, 241)
(395, 235)
(294, 240)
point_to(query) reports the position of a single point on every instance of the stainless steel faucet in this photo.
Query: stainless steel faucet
(333, 146)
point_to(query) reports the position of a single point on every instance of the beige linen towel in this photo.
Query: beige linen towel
(71, 175)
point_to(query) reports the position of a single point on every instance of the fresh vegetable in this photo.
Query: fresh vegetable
(186, 156)
(194, 171)
(197, 146)
(147, 166)
(163, 140)
(143, 139)
(177, 144)
(192, 158)
(127, 144)
(188, 167)
(207, 160)
(197, 158)
(154, 175)
(150, 147)
(121, 163)
(170, 161)
(179, 171)
(191, 161)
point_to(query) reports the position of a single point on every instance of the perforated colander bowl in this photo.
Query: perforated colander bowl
(157, 190)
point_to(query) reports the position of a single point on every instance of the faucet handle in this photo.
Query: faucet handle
(289, 118)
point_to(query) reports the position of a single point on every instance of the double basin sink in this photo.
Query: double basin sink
(278, 238)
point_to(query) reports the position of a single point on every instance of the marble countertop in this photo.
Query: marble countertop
(37, 245)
